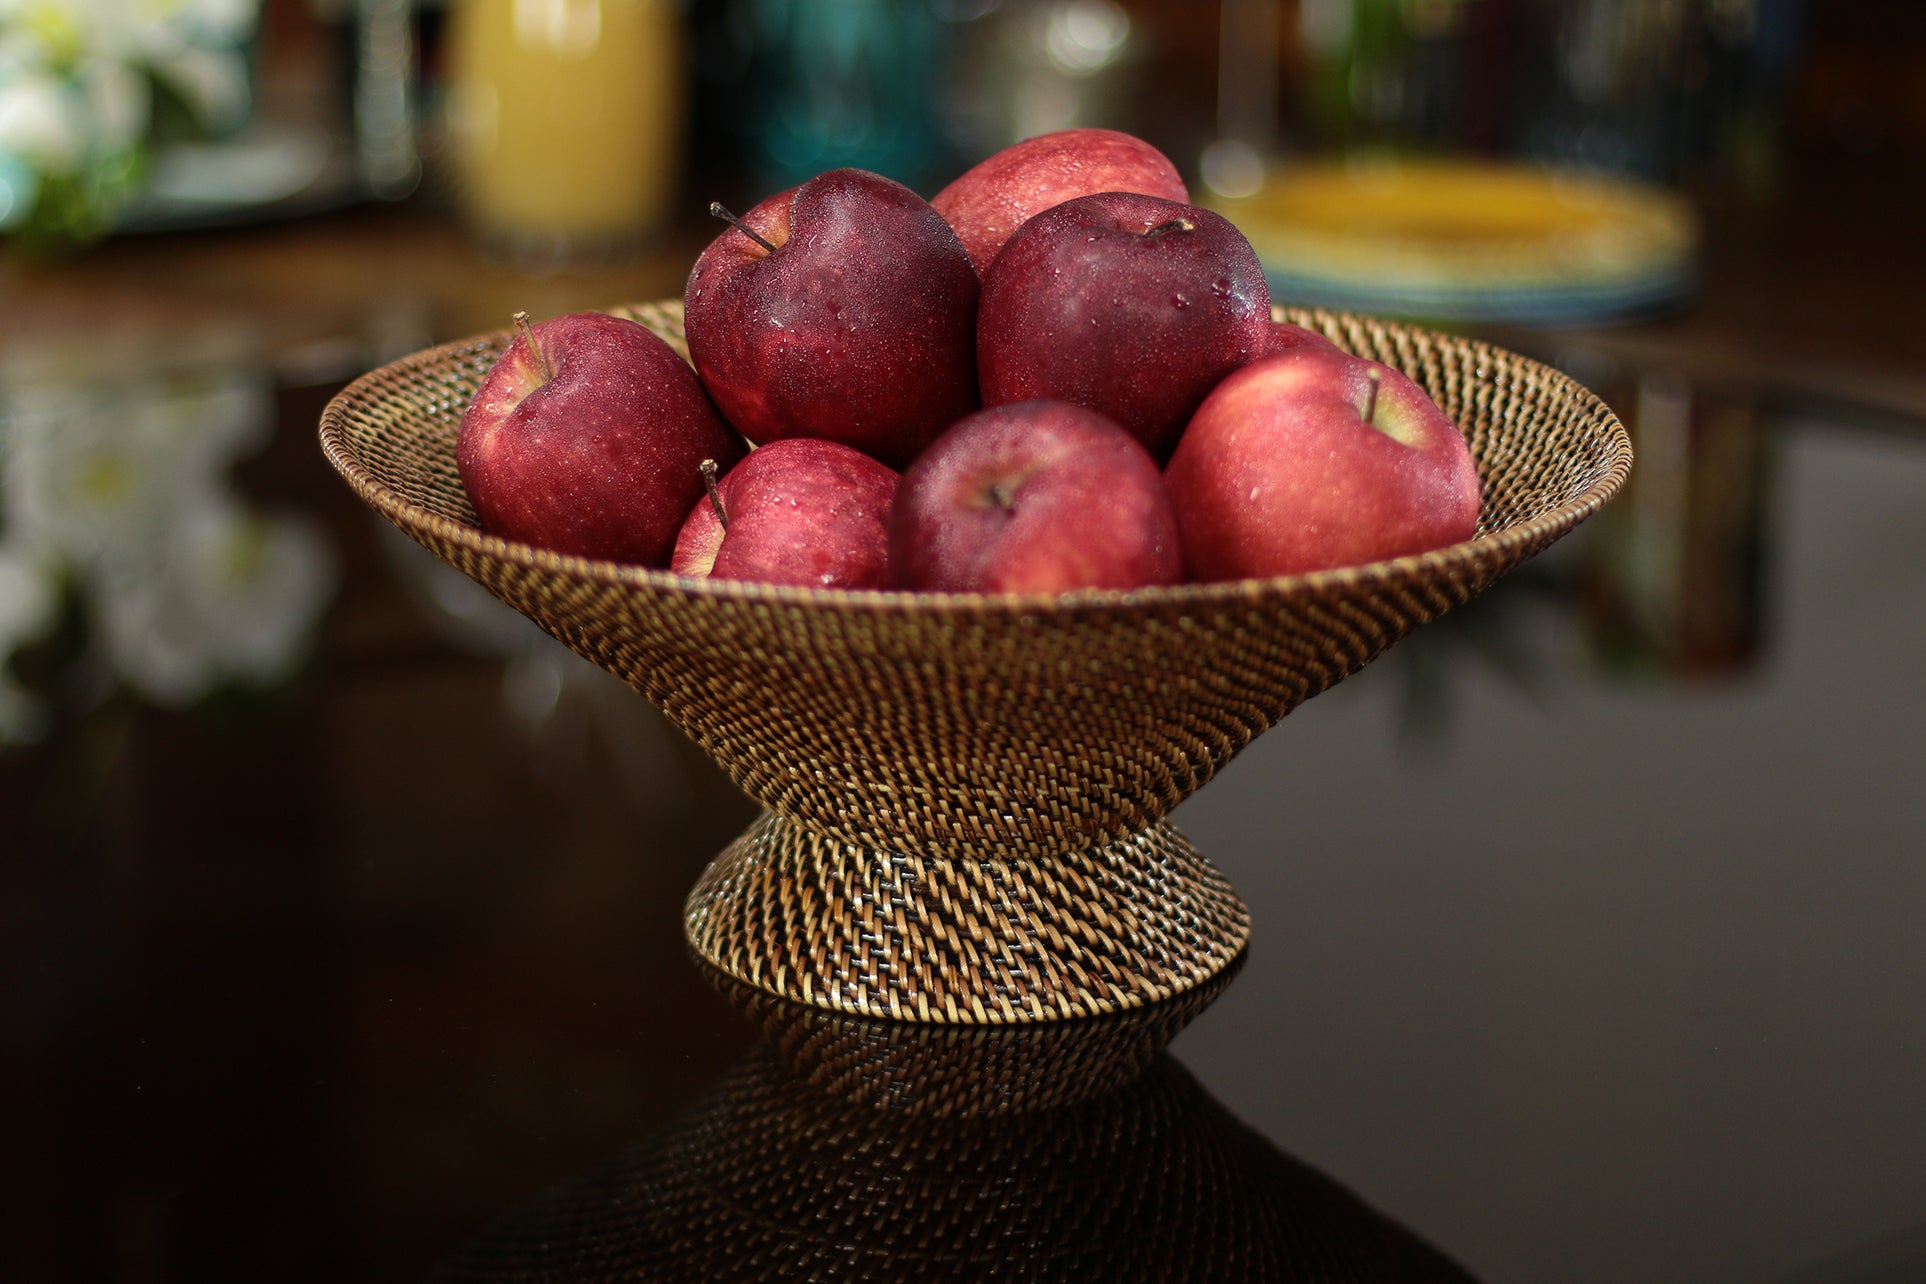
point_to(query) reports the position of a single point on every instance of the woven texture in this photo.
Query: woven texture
(991, 726)
(946, 1069)
(967, 788)
(930, 937)
(768, 1178)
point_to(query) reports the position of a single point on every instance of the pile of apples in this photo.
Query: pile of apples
(1058, 374)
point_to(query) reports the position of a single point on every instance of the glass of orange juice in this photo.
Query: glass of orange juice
(565, 121)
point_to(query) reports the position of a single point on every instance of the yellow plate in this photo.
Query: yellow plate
(1467, 240)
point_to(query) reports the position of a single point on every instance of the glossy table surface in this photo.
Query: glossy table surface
(1587, 922)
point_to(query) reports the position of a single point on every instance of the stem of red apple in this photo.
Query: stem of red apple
(1002, 497)
(1371, 398)
(1175, 225)
(709, 472)
(528, 336)
(718, 210)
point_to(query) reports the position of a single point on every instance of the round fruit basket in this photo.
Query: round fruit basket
(966, 793)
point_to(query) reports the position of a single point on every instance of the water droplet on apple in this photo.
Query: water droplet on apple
(1221, 287)
(1179, 301)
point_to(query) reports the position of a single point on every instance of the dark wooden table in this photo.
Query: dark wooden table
(319, 985)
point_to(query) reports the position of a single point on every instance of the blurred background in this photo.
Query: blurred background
(339, 907)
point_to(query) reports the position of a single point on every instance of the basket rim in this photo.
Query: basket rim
(1464, 555)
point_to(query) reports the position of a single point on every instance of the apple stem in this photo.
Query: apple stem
(528, 336)
(709, 472)
(1002, 496)
(1175, 225)
(1371, 397)
(717, 209)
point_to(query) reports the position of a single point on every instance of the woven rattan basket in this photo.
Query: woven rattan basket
(950, 1069)
(966, 793)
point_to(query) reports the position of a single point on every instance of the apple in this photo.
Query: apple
(1287, 336)
(1131, 305)
(1035, 497)
(797, 511)
(585, 438)
(1315, 459)
(844, 309)
(995, 197)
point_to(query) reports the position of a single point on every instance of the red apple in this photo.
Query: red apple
(1317, 459)
(998, 195)
(843, 309)
(585, 438)
(798, 511)
(1131, 305)
(1287, 336)
(1040, 496)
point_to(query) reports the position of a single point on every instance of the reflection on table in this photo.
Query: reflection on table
(854, 1148)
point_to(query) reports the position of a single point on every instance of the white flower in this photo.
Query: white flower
(59, 31)
(118, 103)
(230, 600)
(89, 470)
(43, 121)
(125, 484)
(73, 73)
(42, 32)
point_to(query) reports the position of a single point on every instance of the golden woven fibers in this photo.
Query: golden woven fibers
(937, 1070)
(991, 726)
(767, 1179)
(917, 935)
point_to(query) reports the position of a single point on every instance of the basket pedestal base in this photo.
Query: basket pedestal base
(792, 910)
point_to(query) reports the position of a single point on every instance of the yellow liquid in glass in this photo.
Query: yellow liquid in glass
(565, 118)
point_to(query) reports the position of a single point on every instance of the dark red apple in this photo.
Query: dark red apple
(995, 197)
(1130, 305)
(1287, 336)
(585, 438)
(1040, 496)
(844, 309)
(1316, 459)
(798, 511)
